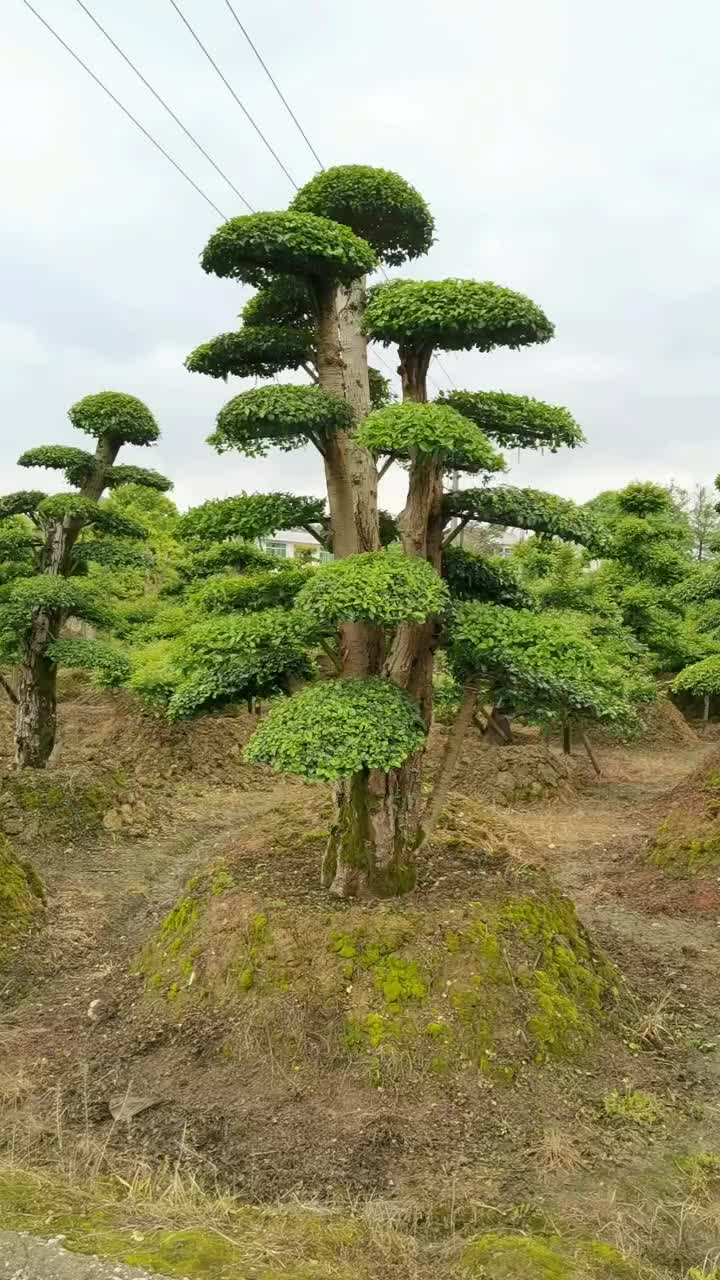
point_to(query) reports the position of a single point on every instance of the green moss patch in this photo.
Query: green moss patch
(687, 841)
(486, 986)
(206, 1239)
(499, 1256)
(21, 899)
(54, 809)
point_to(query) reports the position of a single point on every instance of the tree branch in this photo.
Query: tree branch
(329, 653)
(457, 530)
(453, 748)
(9, 690)
(315, 440)
(311, 372)
(319, 536)
(386, 465)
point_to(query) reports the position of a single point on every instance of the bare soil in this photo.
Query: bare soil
(76, 1028)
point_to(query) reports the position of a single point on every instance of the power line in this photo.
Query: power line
(164, 104)
(125, 111)
(274, 83)
(230, 90)
(442, 369)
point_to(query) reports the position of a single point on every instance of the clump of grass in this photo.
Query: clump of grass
(635, 1107)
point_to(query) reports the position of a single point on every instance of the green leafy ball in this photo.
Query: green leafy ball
(339, 727)
(122, 417)
(255, 351)
(256, 246)
(454, 315)
(284, 417)
(376, 204)
(517, 422)
(383, 587)
(644, 498)
(701, 678)
(433, 429)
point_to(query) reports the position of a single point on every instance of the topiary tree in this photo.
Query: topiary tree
(52, 540)
(385, 612)
(700, 680)
(648, 570)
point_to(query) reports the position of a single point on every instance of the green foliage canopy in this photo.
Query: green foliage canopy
(126, 473)
(286, 417)
(25, 502)
(528, 509)
(437, 430)
(85, 511)
(517, 422)
(77, 464)
(248, 593)
(239, 656)
(249, 516)
(486, 578)
(378, 205)
(109, 665)
(283, 301)
(542, 664)
(702, 679)
(254, 351)
(257, 246)
(337, 728)
(454, 315)
(120, 417)
(382, 587)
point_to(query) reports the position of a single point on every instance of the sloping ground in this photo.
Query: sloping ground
(687, 841)
(21, 900)
(458, 1085)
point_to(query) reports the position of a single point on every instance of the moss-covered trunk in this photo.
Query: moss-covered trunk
(36, 714)
(371, 850)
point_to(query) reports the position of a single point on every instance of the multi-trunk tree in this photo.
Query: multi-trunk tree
(386, 610)
(46, 546)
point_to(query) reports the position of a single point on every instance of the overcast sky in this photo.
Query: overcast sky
(568, 151)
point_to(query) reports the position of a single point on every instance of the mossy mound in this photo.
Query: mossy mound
(223, 1239)
(21, 899)
(502, 1256)
(54, 807)
(486, 984)
(687, 841)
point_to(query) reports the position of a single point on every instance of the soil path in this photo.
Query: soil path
(26, 1258)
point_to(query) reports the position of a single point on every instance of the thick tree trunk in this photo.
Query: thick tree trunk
(36, 715)
(350, 472)
(371, 850)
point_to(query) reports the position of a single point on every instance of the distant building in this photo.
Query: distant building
(294, 544)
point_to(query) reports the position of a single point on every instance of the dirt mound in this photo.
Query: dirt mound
(666, 726)
(301, 1044)
(107, 737)
(524, 773)
(687, 841)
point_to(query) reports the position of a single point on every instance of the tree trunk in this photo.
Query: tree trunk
(566, 738)
(350, 472)
(706, 707)
(371, 850)
(36, 716)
